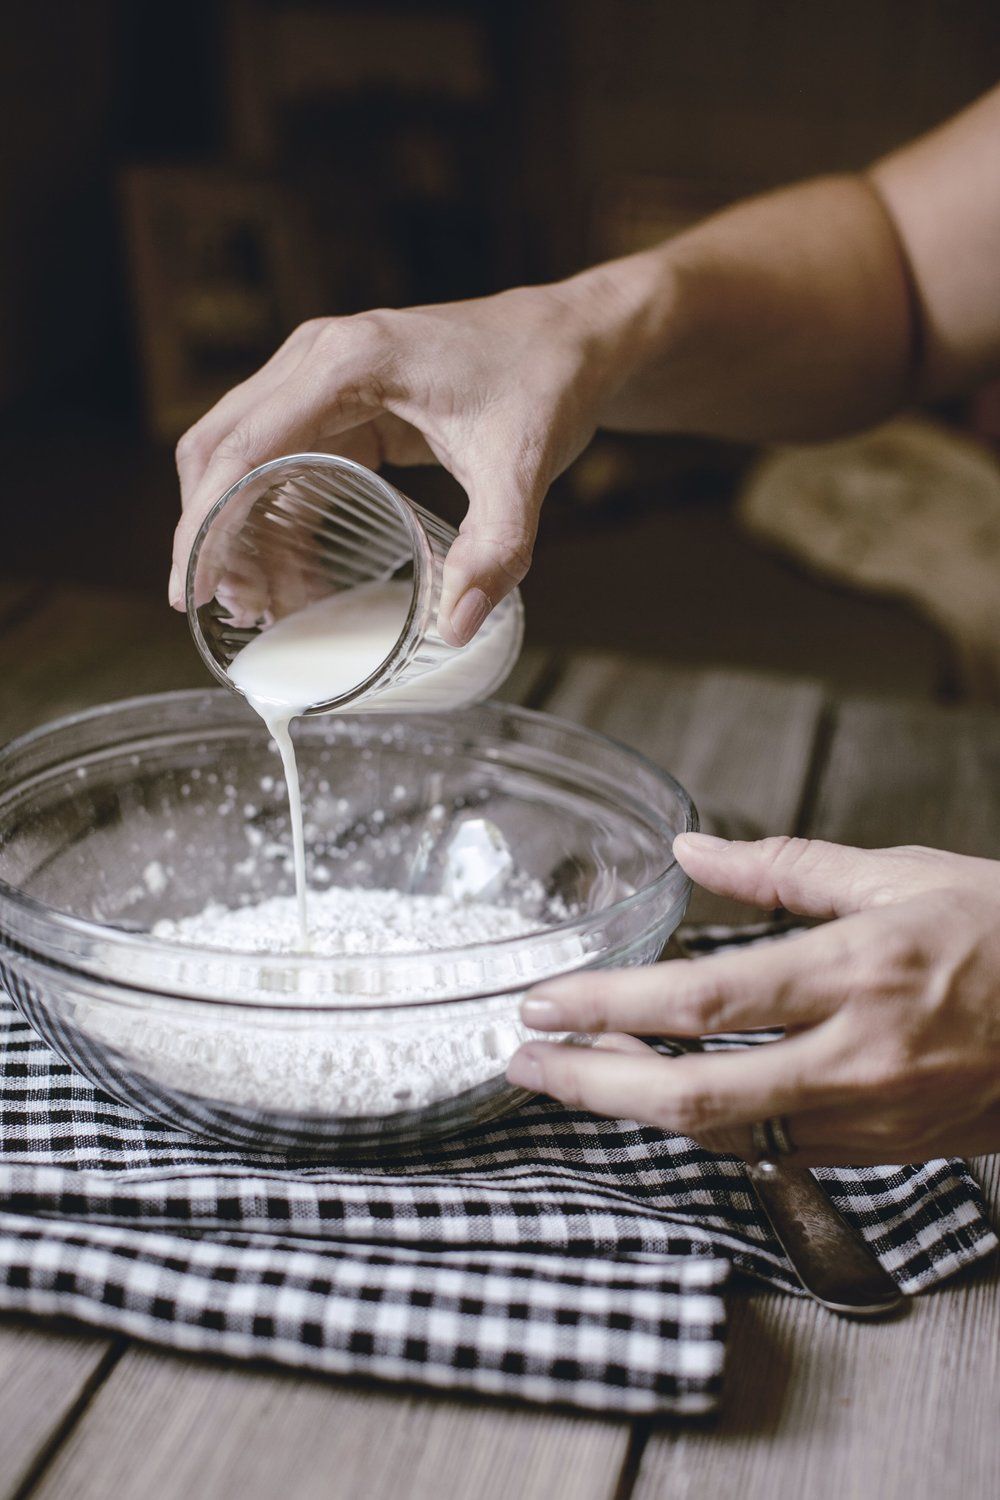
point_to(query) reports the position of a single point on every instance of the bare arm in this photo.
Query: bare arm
(797, 315)
(943, 193)
(822, 307)
(787, 316)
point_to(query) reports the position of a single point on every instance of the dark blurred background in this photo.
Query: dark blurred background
(183, 183)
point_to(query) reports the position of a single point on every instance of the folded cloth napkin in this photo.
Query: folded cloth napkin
(551, 1256)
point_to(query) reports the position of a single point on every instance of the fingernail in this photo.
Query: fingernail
(541, 1014)
(468, 614)
(524, 1070)
(704, 841)
(175, 591)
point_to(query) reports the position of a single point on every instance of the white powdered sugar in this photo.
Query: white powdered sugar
(353, 1064)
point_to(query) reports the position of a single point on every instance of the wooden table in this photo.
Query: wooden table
(813, 1406)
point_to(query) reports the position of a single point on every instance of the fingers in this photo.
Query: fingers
(303, 413)
(367, 376)
(618, 1041)
(716, 1097)
(808, 876)
(196, 447)
(492, 552)
(788, 984)
(861, 1135)
(327, 378)
(690, 1095)
(200, 443)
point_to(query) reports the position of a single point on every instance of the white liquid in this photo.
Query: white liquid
(330, 647)
(311, 656)
(321, 651)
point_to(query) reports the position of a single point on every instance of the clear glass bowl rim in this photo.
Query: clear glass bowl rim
(114, 939)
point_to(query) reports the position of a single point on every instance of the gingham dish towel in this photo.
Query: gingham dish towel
(551, 1256)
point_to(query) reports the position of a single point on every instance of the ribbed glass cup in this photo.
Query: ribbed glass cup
(308, 525)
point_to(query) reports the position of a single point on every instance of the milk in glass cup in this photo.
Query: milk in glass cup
(342, 575)
(313, 587)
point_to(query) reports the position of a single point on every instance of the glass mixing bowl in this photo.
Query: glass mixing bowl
(152, 808)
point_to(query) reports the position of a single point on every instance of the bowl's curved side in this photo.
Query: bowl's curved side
(112, 1070)
(130, 1013)
(77, 1020)
(92, 773)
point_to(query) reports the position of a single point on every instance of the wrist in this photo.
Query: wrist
(623, 313)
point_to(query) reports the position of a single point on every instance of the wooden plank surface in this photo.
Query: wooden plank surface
(821, 1407)
(815, 1405)
(47, 640)
(44, 1377)
(742, 743)
(900, 772)
(171, 1428)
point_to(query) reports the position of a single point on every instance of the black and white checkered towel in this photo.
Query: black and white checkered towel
(551, 1256)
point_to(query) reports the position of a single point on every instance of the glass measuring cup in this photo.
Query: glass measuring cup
(309, 525)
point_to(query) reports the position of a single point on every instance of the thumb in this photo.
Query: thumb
(490, 555)
(808, 876)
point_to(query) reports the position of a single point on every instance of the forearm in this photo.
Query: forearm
(786, 317)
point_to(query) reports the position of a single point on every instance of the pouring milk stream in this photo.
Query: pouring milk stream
(340, 535)
(328, 648)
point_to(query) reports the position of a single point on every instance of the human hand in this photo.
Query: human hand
(504, 391)
(891, 1012)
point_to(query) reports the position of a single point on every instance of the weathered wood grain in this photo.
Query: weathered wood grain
(987, 1169)
(645, 704)
(815, 1405)
(900, 772)
(171, 1428)
(741, 743)
(43, 1376)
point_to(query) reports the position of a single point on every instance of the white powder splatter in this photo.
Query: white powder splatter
(325, 1063)
(155, 878)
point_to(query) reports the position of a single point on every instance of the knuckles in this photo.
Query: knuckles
(366, 338)
(591, 1012)
(514, 557)
(901, 959)
(191, 448)
(698, 1007)
(785, 854)
(562, 1077)
(510, 546)
(244, 445)
(310, 330)
(786, 864)
(690, 1112)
